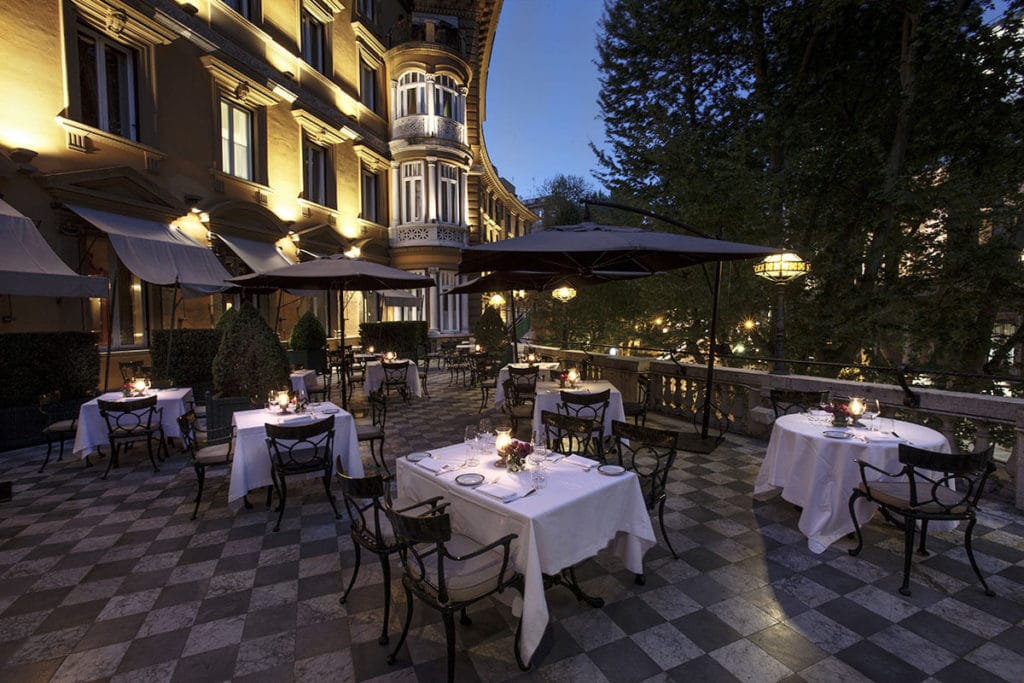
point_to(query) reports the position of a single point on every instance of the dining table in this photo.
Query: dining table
(812, 464)
(91, 432)
(375, 377)
(578, 513)
(250, 463)
(549, 395)
(302, 380)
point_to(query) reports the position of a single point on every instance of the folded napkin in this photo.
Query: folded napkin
(432, 465)
(289, 419)
(502, 493)
(580, 461)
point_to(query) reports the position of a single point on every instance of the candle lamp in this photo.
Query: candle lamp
(139, 386)
(283, 399)
(502, 440)
(573, 377)
(856, 406)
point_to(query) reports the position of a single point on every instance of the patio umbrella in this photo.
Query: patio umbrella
(336, 272)
(587, 248)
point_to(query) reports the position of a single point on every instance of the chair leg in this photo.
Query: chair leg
(921, 549)
(908, 552)
(355, 573)
(330, 496)
(49, 447)
(464, 618)
(201, 479)
(280, 506)
(60, 453)
(449, 637)
(113, 459)
(856, 525)
(664, 532)
(149, 452)
(405, 627)
(385, 565)
(970, 556)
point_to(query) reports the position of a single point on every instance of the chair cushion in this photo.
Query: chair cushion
(214, 455)
(896, 495)
(521, 411)
(469, 580)
(60, 426)
(369, 433)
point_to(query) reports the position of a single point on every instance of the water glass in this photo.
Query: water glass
(472, 441)
(538, 475)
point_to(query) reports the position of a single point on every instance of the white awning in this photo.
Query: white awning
(160, 254)
(397, 297)
(260, 256)
(29, 267)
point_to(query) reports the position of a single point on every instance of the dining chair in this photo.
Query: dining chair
(321, 390)
(515, 406)
(719, 423)
(487, 378)
(422, 364)
(396, 376)
(785, 402)
(61, 424)
(367, 500)
(355, 373)
(650, 453)
(215, 452)
(300, 449)
(458, 367)
(130, 422)
(374, 431)
(931, 486)
(638, 409)
(591, 407)
(450, 572)
(567, 434)
(526, 381)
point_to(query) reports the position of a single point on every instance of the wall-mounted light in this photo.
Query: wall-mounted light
(353, 252)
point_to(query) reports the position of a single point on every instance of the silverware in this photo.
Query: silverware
(533, 490)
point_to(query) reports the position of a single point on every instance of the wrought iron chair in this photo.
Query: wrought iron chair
(396, 376)
(514, 405)
(526, 381)
(61, 424)
(591, 407)
(321, 391)
(367, 500)
(216, 452)
(567, 434)
(487, 371)
(785, 402)
(931, 486)
(650, 453)
(299, 450)
(638, 409)
(450, 572)
(374, 431)
(719, 423)
(128, 423)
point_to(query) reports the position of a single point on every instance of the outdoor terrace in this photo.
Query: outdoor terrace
(110, 580)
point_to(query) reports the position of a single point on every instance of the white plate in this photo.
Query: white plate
(328, 411)
(416, 457)
(469, 479)
(611, 470)
(836, 434)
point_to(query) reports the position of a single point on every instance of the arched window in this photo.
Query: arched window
(412, 93)
(448, 101)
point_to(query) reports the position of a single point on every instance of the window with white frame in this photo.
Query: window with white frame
(448, 101)
(237, 149)
(412, 93)
(449, 318)
(314, 39)
(412, 192)
(449, 205)
(368, 94)
(315, 172)
(106, 84)
(368, 189)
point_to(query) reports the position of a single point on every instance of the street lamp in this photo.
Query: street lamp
(565, 294)
(780, 269)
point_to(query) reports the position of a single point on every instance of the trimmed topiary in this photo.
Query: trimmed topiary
(250, 361)
(225, 320)
(489, 330)
(308, 334)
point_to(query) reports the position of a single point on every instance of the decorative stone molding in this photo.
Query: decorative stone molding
(238, 84)
(122, 20)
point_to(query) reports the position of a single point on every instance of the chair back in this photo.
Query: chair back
(589, 406)
(567, 434)
(786, 402)
(395, 373)
(367, 499)
(643, 389)
(423, 539)
(524, 378)
(378, 401)
(647, 451)
(951, 483)
(300, 448)
(129, 417)
(189, 438)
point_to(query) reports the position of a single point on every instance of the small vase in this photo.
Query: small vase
(514, 465)
(839, 421)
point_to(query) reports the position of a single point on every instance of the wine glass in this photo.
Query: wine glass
(871, 412)
(472, 441)
(537, 474)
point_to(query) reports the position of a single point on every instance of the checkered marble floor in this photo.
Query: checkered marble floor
(110, 580)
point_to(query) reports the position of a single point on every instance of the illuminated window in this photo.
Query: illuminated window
(449, 205)
(368, 182)
(107, 84)
(236, 140)
(317, 178)
(448, 101)
(412, 192)
(368, 85)
(313, 41)
(128, 325)
(412, 93)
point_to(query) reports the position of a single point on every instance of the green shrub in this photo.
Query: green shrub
(225, 320)
(308, 334)
(34, 363)
(399, 336)
(489, 331)
(192, 354)
(250, 361)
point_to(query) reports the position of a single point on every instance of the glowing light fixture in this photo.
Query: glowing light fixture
(353, 252)
(565, 294)
(781, 268)
(497, 300)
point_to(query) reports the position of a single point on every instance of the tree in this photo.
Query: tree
(250, 360)
(879, 140)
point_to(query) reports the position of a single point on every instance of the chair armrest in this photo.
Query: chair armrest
(864, 466)
(432, 502)
(503, 541)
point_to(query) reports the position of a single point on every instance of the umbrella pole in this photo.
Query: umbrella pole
(111, 303)
(343, 380)
(512, 328)
(277, 315)
(170, 335)
(706, 421)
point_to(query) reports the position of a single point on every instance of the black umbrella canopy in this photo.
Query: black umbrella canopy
(335, 272)
(536, 281)
(589, 247)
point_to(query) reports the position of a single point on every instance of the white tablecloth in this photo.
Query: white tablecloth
(549, 396)
(92, 428)
(303, 380)
(544, 375)
(818, 473)
(250, 466)
(574, 517)
(375, 377)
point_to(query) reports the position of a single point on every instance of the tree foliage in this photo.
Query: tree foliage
(250, 360)
(881, 141)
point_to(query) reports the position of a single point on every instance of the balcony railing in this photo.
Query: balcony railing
(428, 126)
(967, 420)
(428, 30)
(428, 235)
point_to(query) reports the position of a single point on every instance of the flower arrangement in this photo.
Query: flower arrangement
(514, 455)
(840, 413)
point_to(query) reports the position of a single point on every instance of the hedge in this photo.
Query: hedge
(192, 353)
(34, 363)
